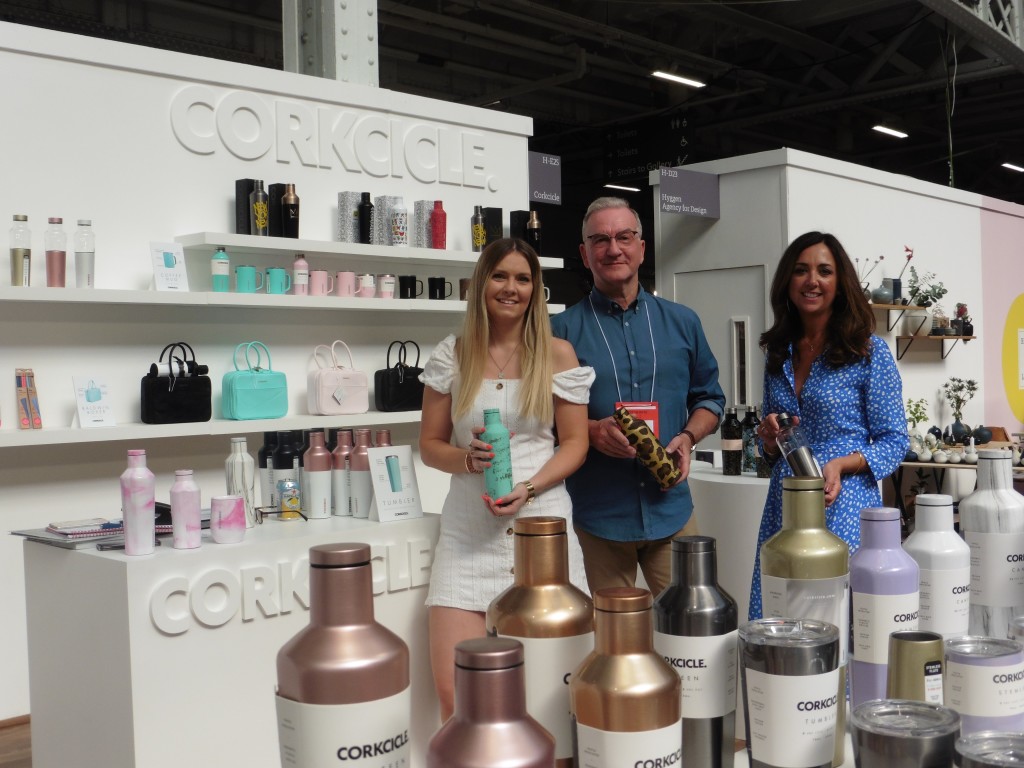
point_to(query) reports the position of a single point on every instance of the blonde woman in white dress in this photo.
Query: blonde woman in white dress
(505, 358)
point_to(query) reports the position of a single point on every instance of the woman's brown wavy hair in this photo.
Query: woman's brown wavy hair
(852, 321)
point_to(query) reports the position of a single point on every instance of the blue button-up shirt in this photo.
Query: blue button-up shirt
(656, 345)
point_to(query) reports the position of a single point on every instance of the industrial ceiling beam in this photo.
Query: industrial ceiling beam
(997, 23)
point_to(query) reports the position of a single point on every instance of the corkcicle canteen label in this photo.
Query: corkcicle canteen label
(945, 601)
(607, 749)
(707, 671)
(371, 734)
(875, 617)
(997, 568)
(822, 599)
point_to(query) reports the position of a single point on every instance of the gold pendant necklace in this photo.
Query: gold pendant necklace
(501, 368)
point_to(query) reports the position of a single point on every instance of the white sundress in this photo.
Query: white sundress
(475, 551)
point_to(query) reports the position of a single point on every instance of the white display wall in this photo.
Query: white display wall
(148, 144)
(770, 198)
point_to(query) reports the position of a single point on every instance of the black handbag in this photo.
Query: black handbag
(176, 391)
(398, 387)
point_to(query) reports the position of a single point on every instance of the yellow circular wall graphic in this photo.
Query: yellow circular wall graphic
(1013, 357)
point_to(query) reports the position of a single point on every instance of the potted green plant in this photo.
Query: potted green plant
(923, 289)
(917, 413)
(958, 392)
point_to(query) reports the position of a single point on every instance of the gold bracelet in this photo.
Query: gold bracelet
(863, 461)
(531, 492)
(469, 465)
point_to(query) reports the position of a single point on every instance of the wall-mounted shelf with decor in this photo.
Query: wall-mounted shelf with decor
(901, 349)
(891, 319)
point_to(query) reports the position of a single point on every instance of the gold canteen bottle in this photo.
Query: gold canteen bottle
(805, 574)
(695, 629)
(553, 620)
(625, 697)
(343, 695)
(490, 727)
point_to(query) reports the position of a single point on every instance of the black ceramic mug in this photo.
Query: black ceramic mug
(409, 287)
(438, 288)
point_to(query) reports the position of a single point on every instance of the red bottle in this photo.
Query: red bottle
(438, 226)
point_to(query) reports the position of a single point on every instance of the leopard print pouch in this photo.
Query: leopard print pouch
(648, 449)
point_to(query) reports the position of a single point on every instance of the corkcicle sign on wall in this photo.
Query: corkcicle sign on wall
(251, 126)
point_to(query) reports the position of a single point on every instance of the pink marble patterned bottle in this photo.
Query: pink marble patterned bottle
(186, 517)
(138, 505)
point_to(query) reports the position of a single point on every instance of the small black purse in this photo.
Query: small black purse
(398, 387)
(176, 391)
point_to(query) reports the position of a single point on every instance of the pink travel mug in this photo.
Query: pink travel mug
(366, 286)
(227, 519)
(345, 284)
(320, 282)
(386, 286)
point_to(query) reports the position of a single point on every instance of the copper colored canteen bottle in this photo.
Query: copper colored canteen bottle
(625, 697)
(343, 682)
(553, 619)
(490, 727)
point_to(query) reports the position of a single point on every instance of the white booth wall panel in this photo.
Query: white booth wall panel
(94, 139)
(723, 272)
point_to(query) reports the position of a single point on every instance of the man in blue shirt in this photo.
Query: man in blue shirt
(645, 350)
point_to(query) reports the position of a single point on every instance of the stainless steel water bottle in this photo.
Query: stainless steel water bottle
(695, 629)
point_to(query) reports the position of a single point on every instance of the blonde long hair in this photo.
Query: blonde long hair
(535, 399)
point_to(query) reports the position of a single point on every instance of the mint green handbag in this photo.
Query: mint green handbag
(255, 391)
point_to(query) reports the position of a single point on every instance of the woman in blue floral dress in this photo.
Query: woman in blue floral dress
(825, 365)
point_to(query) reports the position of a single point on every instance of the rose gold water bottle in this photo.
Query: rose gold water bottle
(552, 619)
(340, 474)
(490, 726)
(360, 482)
(625, 697)
(316, 476)
(343, 682)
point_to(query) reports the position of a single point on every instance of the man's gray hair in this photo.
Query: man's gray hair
(603, 203)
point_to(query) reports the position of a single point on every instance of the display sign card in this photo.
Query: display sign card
(168, 267)
(689, 193)
(545, 178)
(95, 402)
(395, 492)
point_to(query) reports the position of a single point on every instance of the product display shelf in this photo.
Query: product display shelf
(138, 431)
(205, 243)
(903, 343)
(891, 318)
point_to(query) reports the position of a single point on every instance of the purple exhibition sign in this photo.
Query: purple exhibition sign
(689, 193)
(545, 178)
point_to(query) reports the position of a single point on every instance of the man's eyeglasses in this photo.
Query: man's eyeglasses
(625, 238)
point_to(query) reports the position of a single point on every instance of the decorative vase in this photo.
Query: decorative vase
(881, 295)
(916, 322)
(967, 328)
(959, 432)
(982, 435)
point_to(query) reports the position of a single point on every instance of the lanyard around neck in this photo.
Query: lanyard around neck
(615, 370)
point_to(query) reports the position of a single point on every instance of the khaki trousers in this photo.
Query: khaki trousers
(614, 563)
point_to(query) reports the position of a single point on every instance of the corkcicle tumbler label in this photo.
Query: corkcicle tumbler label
(371, 734)
(792, 718)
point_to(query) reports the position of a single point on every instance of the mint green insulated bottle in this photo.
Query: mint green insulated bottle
(498, 476)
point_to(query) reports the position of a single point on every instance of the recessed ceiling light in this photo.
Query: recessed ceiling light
(678, 79)
(1013, 167)
(889, 131)
(627, 189)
